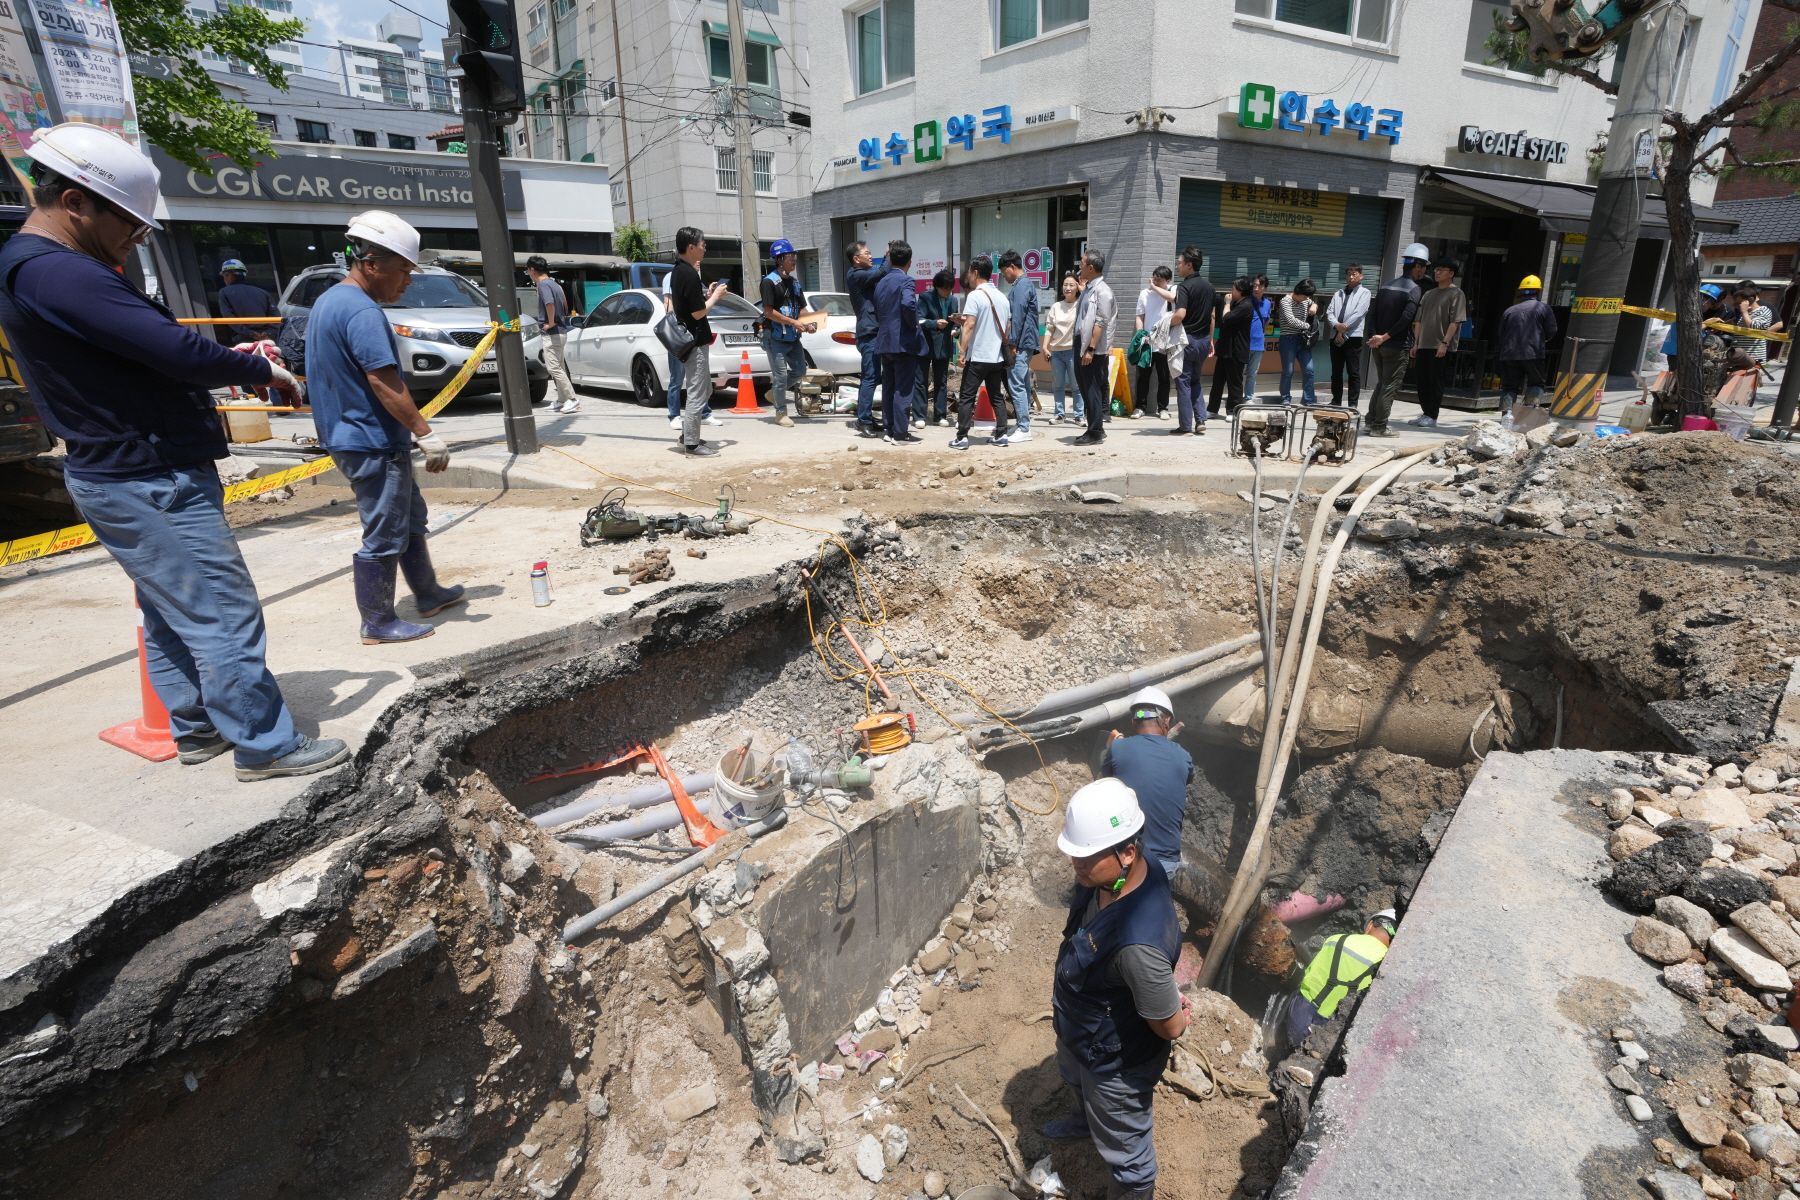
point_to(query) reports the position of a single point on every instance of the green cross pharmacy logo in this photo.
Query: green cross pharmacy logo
(1256, 106)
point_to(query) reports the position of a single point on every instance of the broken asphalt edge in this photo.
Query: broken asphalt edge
(1170, 481)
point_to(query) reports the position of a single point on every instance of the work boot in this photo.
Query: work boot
(375, 600)
(1118, 1191)
(1068, 1129)
(197, 748)
(415, 564)
(311, 756)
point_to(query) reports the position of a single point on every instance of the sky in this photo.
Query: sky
(328, 20)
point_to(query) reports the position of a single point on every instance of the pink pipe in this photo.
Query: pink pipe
(1302, 907)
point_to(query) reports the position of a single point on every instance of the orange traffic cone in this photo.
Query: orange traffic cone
(984, 409)
(746, 390)
(149, 735)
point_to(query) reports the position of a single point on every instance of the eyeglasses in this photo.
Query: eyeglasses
(140, 229)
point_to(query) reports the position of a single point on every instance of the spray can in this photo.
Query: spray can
(540, 584)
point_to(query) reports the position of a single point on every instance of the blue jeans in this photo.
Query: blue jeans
(931, 388)
(1190, 401)
(787, 364)
(1062, 380)
(204, 638)
(677, 377)
(1301, 1017)
(1292, 351)
(1019, 384)
(871, 377)
(1117, 1109)
(1250, 370)
(387, 500)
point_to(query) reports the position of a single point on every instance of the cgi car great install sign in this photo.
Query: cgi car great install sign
(309, 179)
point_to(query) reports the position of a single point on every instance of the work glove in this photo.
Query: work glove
(281, 377)
(437, 455)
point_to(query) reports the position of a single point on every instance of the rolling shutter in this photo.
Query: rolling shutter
(1285, 256)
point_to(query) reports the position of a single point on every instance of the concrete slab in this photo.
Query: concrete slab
(1477, 1062)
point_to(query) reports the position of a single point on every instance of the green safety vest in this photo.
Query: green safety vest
(1346, 960)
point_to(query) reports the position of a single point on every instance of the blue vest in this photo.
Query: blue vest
(779, 332)
(1100, 1023)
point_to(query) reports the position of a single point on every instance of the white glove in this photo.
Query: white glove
(437, 455)
(281, 377)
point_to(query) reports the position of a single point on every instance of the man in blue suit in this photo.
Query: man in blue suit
(898, 342)
(860, 283)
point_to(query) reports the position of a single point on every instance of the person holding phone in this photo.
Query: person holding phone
(694, 303)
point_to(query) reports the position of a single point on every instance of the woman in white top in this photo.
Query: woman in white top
(1152, 303)
(1059, 344)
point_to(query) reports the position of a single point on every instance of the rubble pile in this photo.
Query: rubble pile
(1709, 854)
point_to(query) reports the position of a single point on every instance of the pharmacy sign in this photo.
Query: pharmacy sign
(1256, 106)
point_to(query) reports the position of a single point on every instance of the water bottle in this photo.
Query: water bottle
(540, 584)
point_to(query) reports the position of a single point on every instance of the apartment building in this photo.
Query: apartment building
(1285, 137)
(394, 68)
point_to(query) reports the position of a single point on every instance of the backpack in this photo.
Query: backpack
(290, 339)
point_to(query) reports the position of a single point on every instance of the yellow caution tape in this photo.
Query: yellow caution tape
(1604, 306)
(1663, 314)
(40, 544)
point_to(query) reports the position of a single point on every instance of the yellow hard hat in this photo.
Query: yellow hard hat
(1531, 283)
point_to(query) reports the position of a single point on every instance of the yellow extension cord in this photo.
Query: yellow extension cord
(827, 652)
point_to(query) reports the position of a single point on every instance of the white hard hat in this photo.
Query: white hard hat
(1388, 918)
(1150, 695)
(388, 231)
(1416, 251)
(1099, 816)
(102, 162)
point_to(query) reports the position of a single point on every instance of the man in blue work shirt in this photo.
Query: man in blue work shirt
(364, 413)
(239, 298)
(128, 391)
(898, 341)
(1157, 769)
(1022, 336)
(783, 300)
(860, 283)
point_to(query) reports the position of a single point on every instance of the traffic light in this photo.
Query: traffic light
(490, 55)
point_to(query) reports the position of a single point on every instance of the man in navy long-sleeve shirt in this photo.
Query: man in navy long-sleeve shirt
(860, 283)
(1389, 325)
(127, 389)
(1525, 329)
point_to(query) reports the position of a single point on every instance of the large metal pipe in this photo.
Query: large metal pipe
(653, 820)
(1111, 710)
(643, 797)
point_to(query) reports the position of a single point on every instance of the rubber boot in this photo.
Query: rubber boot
(415, 564)
(1117, 1191)
(375, 600)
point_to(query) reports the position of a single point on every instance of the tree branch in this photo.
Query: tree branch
(1587, 76)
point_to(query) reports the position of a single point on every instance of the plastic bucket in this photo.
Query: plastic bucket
(1734, 420)
(739, 804)
(1689, 424)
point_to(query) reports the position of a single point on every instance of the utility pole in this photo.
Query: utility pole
(624, 133)
(493, 86)
(746, 155)
(1646, 89)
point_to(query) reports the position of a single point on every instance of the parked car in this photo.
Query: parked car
(833, 348)
(615, 346)
(439, 319)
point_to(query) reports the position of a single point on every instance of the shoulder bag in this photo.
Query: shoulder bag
(1007, 353)
(675, 337)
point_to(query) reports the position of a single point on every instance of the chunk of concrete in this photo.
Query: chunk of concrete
(935, 959)
(1688, 917)
(298, 885)
(1760, 779)
(1660, 943)
(1765, 845)
(1393, 529)
(1740, 952)
(870, 1161)
(1672, 1185)
(1627, 840)
(1717, 807)
(1488, 440)
(409, 948)
(1771, 931)
(1786, 889)
(1776, 1143)
(1622, 1079)
(690, 1102)
(1703, 1125)
(1754, 1071)
(1780, 1035)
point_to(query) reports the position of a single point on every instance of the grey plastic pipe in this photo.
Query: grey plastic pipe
(1120, 681)
(1248, 879)
(643, 797)
(587, 922)
(653, 820)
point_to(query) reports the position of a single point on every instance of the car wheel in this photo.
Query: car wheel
(810, 364)
(646, 388)
(539, 389)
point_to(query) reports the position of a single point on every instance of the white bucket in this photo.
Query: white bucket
(1734, 420)
(738, 804)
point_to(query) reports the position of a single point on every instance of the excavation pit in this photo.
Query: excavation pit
(395, 1015)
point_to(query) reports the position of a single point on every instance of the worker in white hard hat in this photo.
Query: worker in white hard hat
(238, 297)
(129, 392)
(1390, 329)
(1157, 769)
(1345, 963)
(366, 417)
(1116, 1006)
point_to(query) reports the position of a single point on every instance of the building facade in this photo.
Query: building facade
(1284, 137)
(315, 111)
(659, 92)
(286, 54)
(393, 68)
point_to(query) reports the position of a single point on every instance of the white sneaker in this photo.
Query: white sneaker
(556, 406)
(1426, 423)
(1163, 415)
(1137, 414)
(1019, 435)
(712, 420)
(918, 422)
(571, 406)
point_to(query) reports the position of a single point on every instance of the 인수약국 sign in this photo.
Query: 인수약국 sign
(1281, 210)
(1259, 107)
(931, 141)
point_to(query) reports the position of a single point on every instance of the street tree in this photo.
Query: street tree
(187, 116)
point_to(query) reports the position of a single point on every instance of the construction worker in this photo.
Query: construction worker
(783, 300)
(1116, 1007)
(1346, 962)
(1712, 304)
(240, 298)
(1390, 328)
(1525, 329)
(365, 414)
(128, 391)
(1157, 770)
